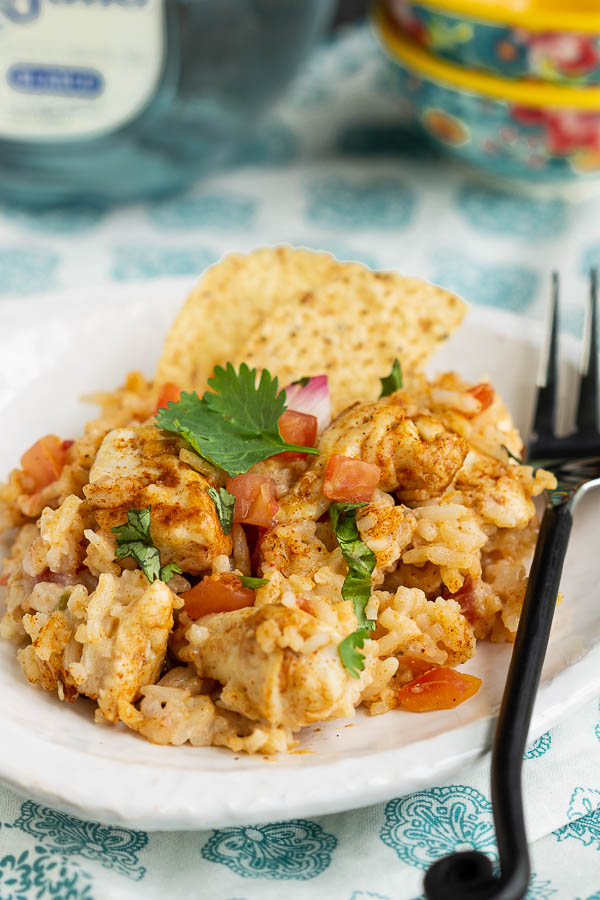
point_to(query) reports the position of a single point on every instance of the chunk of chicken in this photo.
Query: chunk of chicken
(293, 549)
(61, 545)
(495, 491)
(177, 709)
(277, 665)
(107, 645)
(139, 466)
(418, 459)
(20, 499)
(43, 661)
(436, 632)
(386, 529)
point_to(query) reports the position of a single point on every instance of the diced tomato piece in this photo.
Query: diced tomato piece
(223, 593)
(483, 392)
(465, 596)
(255, 502)
(350, 480)
(44, 461)
(416, 666)
(297, 428)
(440, 688)
(306, 604)
(170, 393)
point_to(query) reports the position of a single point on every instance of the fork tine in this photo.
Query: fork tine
(587, 406)
(545, 407)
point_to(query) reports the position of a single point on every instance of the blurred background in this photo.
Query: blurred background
(455, 140)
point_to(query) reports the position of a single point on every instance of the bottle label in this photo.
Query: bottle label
(76, 68)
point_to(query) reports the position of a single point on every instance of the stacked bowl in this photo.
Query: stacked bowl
(512, 86)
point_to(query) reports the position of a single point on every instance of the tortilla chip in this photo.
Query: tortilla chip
(352, 329)
(229, 303)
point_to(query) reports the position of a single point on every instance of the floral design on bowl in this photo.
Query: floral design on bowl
(560, 56)
(567, 57)
(566, 133)
(297, 850)
(507, 139)
(445, 127)
(427, 825)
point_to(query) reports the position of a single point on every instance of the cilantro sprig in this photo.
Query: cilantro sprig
(134, 540)
(393, 381)
(359, 558)
(235, 425)
(63, 601)
(254, 583)
(512, 455)
(224, 502)
(353, 661)
(361, 561)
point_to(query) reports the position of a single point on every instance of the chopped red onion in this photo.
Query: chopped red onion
(311, 395)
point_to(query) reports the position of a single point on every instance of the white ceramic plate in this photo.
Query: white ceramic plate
(54, 349)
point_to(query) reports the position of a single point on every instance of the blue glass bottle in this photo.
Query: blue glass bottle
(112, 100)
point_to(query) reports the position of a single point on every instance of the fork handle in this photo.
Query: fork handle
(469, 875)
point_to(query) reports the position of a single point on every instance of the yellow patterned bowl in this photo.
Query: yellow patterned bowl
(547, 40)
(515, 128)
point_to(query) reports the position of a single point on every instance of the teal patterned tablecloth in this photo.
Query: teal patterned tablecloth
(335, 169)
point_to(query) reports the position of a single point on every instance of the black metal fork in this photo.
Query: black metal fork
(575, 460)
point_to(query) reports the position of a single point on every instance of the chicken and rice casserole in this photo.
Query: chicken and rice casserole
(253, 604)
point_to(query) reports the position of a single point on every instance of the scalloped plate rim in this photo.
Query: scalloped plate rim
(152, 796)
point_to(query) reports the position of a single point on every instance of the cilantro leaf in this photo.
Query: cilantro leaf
(253, 583)
(352, 660)
(256, 408)
(359, 558)
(344, 529)
(235, 425)
(147, 557)
(393, 381)
(512, 455)
(63, 600)
(136, 529)
(167, 572)
(134, 540)
(224, 501)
